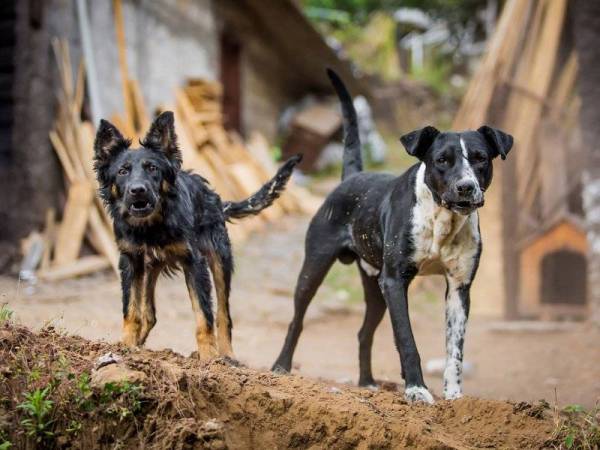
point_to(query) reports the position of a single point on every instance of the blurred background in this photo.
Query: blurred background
(246, 79)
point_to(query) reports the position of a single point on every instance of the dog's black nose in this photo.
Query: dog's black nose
(137, 189)
(465, 187)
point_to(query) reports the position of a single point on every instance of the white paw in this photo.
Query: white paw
(452, 394)
(414, 394)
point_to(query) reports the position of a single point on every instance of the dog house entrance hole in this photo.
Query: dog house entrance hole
(564, 278)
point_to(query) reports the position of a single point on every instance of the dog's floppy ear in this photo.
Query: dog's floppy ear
(418, 142)
(498, 140)
(109, 141)
(161, 136)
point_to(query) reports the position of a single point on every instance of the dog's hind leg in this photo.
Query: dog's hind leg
(221, 268)
(317, 262)
(375, 309)
(197, 279)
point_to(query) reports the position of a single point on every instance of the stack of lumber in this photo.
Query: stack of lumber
(234, 170)
(84, 217)
(526, 86)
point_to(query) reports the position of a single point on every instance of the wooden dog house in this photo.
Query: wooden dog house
(554, 273)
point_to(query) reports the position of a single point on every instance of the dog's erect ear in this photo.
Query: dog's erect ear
(498, 140)
(418, 142)
(161, 136)
(109, 141)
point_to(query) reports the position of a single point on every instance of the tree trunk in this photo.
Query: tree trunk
(587, 41)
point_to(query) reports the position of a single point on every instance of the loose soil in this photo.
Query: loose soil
(319, 406)
(184, 403)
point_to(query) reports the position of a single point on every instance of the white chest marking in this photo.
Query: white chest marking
(441, 237)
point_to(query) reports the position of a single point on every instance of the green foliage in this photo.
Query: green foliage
(456, 12)
(372, 46)
(5, 313)
(123, 399)
(577, 428)
(436, 74)
(37, 409)
(356, 11)
(5, 444)
(84, 392)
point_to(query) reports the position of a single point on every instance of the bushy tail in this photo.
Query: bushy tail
(265, 196)
(352, 156)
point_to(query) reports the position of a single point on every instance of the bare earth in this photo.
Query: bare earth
(520, 366)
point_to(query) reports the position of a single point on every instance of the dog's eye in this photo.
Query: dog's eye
(478, 158)
(441, 160)
(123, 171)
(152, 168)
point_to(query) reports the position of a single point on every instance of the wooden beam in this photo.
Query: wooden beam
(82, 266)
(75, 217)
(122, 51)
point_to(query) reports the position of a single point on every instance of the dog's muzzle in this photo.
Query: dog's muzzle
(466, 197)
(139, 201)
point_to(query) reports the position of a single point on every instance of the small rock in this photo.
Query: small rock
(115, 373)
(106, 359)
(212, 425)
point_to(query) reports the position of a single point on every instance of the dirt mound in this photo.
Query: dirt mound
(47, 398)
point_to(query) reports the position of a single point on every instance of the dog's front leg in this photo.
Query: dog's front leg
(457, 311)
(394, 282)
(197, 279)
(132, 280)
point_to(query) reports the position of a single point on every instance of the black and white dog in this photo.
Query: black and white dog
(422, 222)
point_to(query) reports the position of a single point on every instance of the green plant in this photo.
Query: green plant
(124, 399)
(74, 427)
(84, 393)
(5, 444)
(37, 408)
(5, 313)
(576, 428)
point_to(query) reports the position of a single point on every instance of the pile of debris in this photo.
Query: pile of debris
(233, 168)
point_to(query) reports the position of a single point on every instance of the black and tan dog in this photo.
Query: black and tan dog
(422, 222)
(166, 219)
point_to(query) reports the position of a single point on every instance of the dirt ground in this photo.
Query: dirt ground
(174, 402)
(513, 365)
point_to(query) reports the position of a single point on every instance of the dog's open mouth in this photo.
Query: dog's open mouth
(465, 207)
(141, 208)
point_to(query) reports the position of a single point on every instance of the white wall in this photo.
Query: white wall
(167, 41)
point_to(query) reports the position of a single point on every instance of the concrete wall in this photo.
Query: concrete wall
(168, 41)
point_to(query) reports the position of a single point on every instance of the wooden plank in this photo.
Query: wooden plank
(496, 65)
(141, 117)
(82, 266)
(49, 237)
(75, 218)
(104, 239)
(122, 51)
(538, 81)
(63, 156)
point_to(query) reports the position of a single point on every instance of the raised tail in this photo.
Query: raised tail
(265, 196)
(352, 154)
